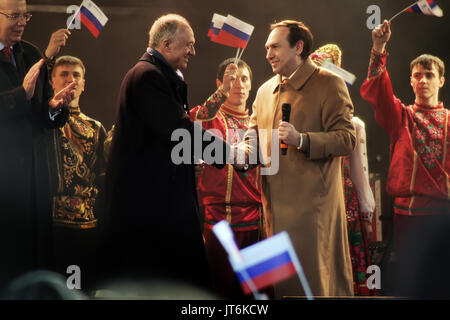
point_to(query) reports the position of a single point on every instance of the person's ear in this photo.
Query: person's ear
(299, 47)
(218, 83)
(441, 82)
(166, 44)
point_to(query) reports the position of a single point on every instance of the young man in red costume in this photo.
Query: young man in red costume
(226, 194)
(420, 156)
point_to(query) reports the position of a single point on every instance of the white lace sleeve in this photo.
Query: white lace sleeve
(359, 168)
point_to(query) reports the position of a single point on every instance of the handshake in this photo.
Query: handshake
(237, 158)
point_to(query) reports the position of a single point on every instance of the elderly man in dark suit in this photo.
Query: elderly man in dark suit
(154, 220)
(27, 106)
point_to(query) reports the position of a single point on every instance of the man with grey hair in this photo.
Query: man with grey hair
(154, 208)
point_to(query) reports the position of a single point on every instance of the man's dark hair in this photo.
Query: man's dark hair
(297, 31)
(223, 65)
(69, 60)
(427, 61)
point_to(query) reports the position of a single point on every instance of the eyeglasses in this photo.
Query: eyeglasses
(17, 16)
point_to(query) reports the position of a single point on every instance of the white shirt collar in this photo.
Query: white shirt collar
(2, 46)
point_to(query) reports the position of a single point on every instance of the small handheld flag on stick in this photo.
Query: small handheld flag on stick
(264, 263)
(225, 235)
(233, 33)
(216, 25)
(428, 7)
(91, 16)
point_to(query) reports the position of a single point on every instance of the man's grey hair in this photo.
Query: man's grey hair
(165, 27)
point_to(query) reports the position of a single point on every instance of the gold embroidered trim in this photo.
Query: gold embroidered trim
(233, 113)
(229, 177)
(411, 205)
(229, 184)
(76, 225)
(413, 182)
(413, 176)
(228, 209)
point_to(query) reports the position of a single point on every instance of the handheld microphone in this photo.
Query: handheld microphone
(286, 113)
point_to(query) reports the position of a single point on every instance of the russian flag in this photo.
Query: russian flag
(263, 263)
(216, 24)
(234, 33)
(428, 7)
(92, 17)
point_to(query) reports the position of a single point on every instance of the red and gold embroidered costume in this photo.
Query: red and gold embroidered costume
(224, 193)
(227, 195)
(420, 160)
(80, 169)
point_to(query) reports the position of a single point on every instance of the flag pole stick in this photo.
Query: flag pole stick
(399, 13)
(305, 285)
(74, 16)
(237, 54)
(301, 276)
(240, 55)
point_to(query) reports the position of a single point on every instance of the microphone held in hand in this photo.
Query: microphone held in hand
(286, 113)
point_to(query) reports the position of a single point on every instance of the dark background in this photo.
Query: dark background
(125, 37)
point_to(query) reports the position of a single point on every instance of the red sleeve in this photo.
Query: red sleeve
(193, 113)
(208, 110)
(377, 89)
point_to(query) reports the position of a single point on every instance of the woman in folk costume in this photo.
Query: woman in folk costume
(359, 200)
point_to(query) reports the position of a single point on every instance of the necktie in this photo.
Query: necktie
(7, 52)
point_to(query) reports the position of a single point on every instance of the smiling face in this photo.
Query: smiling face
(283, 58)
(426, 84)
(11, 31)
(178, 50)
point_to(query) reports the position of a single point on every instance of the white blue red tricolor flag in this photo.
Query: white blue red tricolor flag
(234, 33)
(268, 262)
(428, 7)
(264, 263)
(216, 24)
(92, 17)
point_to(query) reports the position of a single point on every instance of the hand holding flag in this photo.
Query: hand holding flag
(57, 40)
(381, 35)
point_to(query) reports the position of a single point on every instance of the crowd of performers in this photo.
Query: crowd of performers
(117, 206)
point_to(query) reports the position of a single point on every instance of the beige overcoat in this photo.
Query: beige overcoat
(305, 197)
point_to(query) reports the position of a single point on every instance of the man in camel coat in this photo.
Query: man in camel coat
(305, 196)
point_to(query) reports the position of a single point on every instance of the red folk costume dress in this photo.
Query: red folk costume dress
(227, 195)
(420, 157)
(359, 201)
